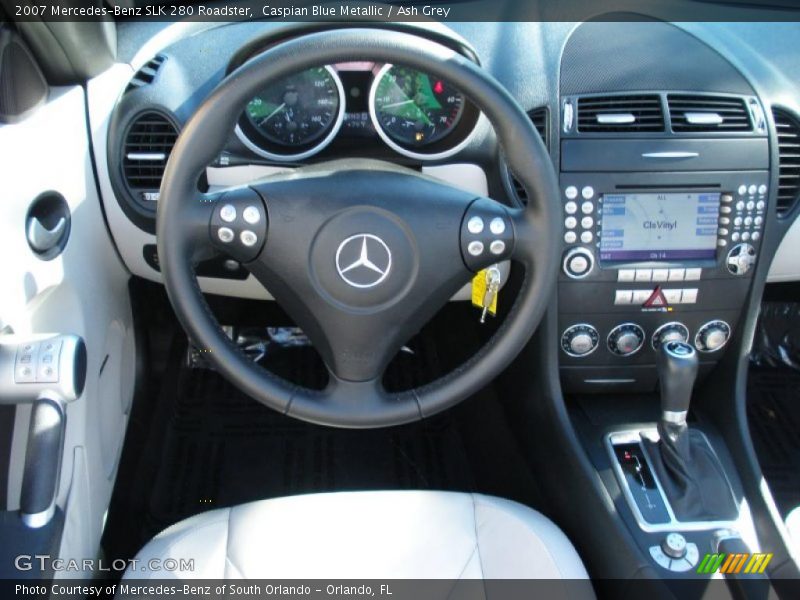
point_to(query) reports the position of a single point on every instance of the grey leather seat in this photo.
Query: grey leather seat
(377, 535)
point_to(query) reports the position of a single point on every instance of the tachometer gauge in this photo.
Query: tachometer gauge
(413, 111)
(295, 117)
(420, 115)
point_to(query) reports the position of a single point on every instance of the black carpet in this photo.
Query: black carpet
(773, 406)
(196, 443)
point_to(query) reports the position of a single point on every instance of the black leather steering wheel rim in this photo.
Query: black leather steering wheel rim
(182, 220)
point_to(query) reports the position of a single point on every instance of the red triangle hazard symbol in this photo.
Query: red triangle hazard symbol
(657, 298)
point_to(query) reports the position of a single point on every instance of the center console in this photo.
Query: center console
(661, 251)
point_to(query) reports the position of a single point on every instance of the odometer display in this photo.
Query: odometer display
(300, 111)
(413, 108)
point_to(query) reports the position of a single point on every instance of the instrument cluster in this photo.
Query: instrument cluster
(416, 114)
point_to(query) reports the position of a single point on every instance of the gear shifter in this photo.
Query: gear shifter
(689, 471)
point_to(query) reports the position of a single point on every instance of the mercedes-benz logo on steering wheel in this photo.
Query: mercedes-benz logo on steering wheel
(363, 260)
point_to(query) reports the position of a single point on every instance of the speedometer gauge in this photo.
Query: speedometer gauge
(294, 117)
(414, 109)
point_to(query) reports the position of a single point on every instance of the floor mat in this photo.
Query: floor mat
(222, 448)
(773, 406)
(207, 445)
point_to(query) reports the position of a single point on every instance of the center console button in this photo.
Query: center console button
(623, 297)
(625, 339)
(570, 222)
(578, 263)
(571, 192)
(571, 208)
(674, 545)
(693, 274)
(587, 222)
(587, 237)
(644, 274)
(673, 296)
(660, 274)
(712, 336)
(570, 237)
(587, 208)
(669, 332)
(579, 340)
(676, 274)
(626, 275)
(587, 192)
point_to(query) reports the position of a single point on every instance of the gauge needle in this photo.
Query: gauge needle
(393, 104)
(273, 113)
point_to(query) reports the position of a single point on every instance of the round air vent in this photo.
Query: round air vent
(146, 149)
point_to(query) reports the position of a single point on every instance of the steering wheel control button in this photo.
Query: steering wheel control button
(578, 263)
(248, 238)
(571, 192)
(251, 214)
(475, 225)
(225, 235)
(497, 247)
(475, 248)
(487, 234)
(497, 226)
(228, 213)
(579, 340)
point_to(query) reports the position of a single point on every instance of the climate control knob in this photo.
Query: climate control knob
(579, 340)
(578, 263)
(741, 258)
(670, 332)
(712, 336)
(626, 339)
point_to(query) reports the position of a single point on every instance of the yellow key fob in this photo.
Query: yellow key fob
(479, 292)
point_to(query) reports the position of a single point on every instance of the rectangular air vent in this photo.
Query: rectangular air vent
(698, 113)
(619, 114)
(148, 144)
(788, 129)
(147, 74)
(540, 117)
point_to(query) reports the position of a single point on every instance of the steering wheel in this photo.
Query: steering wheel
(360, 253)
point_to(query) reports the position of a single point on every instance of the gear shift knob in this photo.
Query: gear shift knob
(677, 370)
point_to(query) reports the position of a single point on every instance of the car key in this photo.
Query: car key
(490, 296)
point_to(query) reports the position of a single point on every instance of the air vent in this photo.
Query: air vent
(620, 114)
(540, 117)
(788, 129)
(708, 113)
(148, 144)
(147, 74)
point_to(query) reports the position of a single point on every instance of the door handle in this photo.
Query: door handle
(43, 239)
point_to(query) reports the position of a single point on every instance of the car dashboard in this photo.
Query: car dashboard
(674, 146)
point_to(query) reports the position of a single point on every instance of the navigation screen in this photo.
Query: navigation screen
(670, 226)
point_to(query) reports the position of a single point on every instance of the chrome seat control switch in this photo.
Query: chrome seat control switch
(39, 364)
